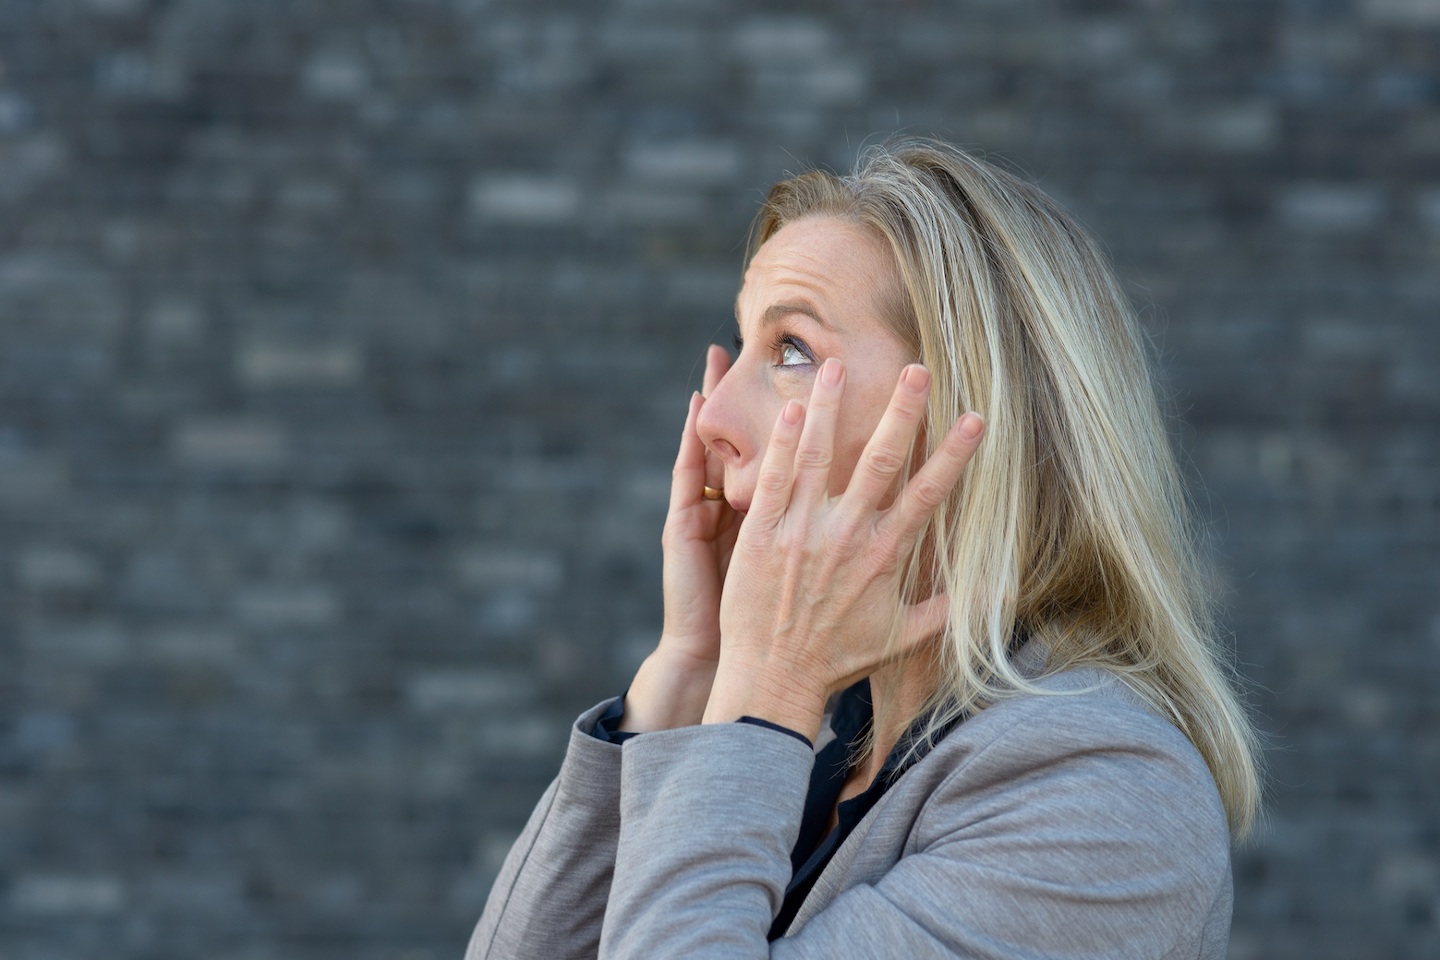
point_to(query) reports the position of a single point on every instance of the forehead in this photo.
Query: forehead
(841, 266)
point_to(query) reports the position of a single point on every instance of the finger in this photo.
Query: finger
(777, 470)
(688, 479)
(817, 441)
(924, 620)
(714, 470)
(717, 363)
(933, 482)
(889, 446)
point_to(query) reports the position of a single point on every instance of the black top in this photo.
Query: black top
(814, 847)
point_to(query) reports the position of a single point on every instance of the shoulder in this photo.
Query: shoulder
(1087, 711)
(1074, 822)
(1085, 763)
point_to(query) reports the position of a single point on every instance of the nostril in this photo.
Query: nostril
(724, 449)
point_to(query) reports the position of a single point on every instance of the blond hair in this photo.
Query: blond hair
(1071, 525)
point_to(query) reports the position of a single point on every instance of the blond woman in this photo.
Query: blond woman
(936, 677)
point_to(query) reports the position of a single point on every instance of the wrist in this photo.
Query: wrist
(779, 694)
(669, 690)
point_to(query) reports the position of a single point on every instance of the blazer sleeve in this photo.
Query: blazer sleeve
(1063, 829)
(549, 898)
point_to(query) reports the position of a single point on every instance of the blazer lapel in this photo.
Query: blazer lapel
(862, 858)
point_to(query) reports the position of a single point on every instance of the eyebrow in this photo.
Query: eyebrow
(776, 311)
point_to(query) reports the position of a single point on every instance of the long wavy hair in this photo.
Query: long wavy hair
(1071, 526)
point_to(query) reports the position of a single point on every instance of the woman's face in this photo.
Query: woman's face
(814, 290)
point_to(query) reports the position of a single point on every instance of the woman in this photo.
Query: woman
(1031, 748)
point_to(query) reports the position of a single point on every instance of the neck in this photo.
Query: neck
(897, 690)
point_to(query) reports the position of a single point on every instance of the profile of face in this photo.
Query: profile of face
(814, 290)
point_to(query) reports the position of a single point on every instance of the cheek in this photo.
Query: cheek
(866, 399)
(854, 430)
(847, 455)
(753, 404)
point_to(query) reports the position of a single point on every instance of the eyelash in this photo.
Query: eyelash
(781, 341)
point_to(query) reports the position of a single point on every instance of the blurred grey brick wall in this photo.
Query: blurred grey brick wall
(344, 345)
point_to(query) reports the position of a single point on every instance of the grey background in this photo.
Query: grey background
(344, 347)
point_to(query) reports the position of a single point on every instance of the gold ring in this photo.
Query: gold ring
(713, 493)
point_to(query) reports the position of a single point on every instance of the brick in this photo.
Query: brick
(53, 567)
(93, 643)
(31, 480)
(698, 162)
(173, 320)
(1332, 207)
(201, 643)
(59, 895)
(764, 39)
(222, 443)
(672, 206)
(271, 606)
(16, 113)
(335, 75)
(1408, 13)
(524, 736)
(522, 198)
(491, 567)
(43, 731)
(1428, 206)
(822, 82)
(1241, 127)
(27, 163)
(644, 42)
(195, 893)
(487, 690)
(273, 364)
(115, 8)
(310, 195)
(123, 73)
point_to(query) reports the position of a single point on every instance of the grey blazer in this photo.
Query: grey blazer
(1045, 826)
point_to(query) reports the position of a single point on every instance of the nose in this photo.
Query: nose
(720, 424)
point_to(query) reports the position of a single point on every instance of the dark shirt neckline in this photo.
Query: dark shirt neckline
(850, 719)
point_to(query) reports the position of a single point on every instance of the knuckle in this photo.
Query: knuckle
(908, 411)
(885, 462)
(772, 481)
(813, 456)
(882, 551)
(928, 492)
(792, 543)
(843, 541)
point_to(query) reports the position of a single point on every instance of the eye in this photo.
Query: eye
(793, 353)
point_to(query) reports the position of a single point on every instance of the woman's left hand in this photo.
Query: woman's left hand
(813, 589)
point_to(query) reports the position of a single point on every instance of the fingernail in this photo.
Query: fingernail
(970, 426)
(916, 378)
(830, 372)
(792, 411)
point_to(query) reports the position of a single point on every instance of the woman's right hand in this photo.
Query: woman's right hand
(673, 684)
